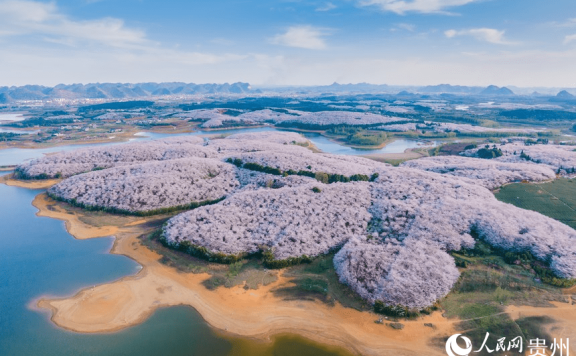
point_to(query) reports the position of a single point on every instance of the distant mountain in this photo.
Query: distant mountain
(494, 90)
(563, 96)
(334, 88)
(450, 89)
(116, 90)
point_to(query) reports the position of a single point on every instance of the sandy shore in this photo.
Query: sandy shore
(74, 225)
(564, 315)
(29, 184)
(251, 313)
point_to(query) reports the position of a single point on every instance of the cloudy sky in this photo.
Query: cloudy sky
(289, 42)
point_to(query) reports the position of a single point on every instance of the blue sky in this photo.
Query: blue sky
(290, 42)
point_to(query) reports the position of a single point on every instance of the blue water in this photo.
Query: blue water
(39, 258)
(14, 156)
(324, 144)
(397, 146)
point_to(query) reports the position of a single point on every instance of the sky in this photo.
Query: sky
(526, 43)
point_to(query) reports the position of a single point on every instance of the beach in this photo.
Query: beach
(240, 312)
(257, 314)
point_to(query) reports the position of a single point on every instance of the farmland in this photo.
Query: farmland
(555, 199)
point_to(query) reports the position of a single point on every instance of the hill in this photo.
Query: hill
(116, 90)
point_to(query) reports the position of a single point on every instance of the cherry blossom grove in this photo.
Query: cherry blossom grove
(69, 163)
(280, 137)
(217, 117)
(314, 162)
(294, 221)
(389, 229)
(559, 157)
(151, 185)
(488, 173)
(393, 233)
(449, 127)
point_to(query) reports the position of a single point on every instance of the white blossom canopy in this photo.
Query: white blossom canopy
(487, 172)
(394, 233)
(151, 185)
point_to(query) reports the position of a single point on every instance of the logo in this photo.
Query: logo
(453, 349)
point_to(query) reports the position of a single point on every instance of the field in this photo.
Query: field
(314, 281)
(482, 293)
(555, 199)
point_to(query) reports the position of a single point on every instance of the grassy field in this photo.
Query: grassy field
(249, 272)
(556, 199)
(318, 280)
(485, 288)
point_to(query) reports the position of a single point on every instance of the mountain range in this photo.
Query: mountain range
(120, 91)
(116, 90)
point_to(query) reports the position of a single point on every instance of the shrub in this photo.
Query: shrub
(322, 177)
(395, 311)
(270, 262)
(489, 153)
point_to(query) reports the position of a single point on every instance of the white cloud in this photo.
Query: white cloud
(423, 6)
(567, 23)
(482, 34)
(406, 26)
(23, 17)
(569, 38)
(546, 68)
(98, 50)
(326, 7)
(302, 37)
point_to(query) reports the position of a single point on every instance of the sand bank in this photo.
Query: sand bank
(564, 315)
(29, 184)
(250, 313)
(47, 207)
(408, 154)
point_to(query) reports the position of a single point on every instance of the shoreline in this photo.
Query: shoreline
(28, 184)
(256, 314)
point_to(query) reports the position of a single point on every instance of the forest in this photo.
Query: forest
(392, 230)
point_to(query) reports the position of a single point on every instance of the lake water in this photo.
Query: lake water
(11, 117)
(14, 156)
(39, 258)
(324, 144)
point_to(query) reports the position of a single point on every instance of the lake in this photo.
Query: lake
(11, 117)
(39, 258)
(14, 156)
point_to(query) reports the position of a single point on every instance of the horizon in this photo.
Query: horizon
(290, 43)
(272, 86)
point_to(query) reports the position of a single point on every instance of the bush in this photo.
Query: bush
(395, 311)
(359, 178)
(489, 153)
(322, 177)
(270, 262)
(203, 253)
(112, 210)
(547, 276)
